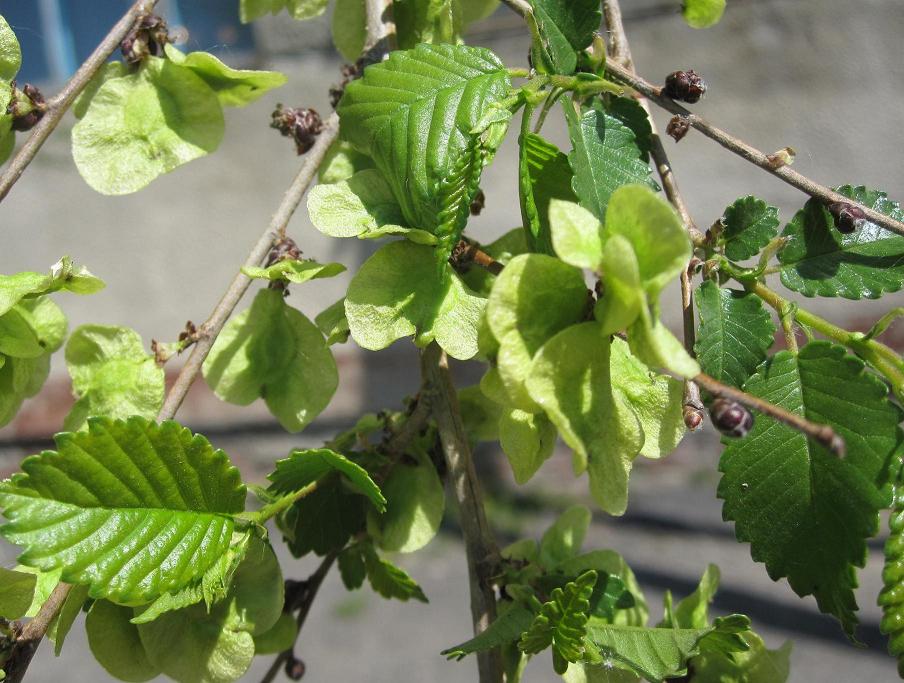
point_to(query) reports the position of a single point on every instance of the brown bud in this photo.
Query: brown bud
(478, 203)
(284, 250)
(730, 417)
(678, 127)
(302, 125)
(26, 107)
(684, 86)
(146, 38)
(295, 668)
(848, 217)
(783, 157)
(693, 418)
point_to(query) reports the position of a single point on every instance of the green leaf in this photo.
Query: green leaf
(629, 111)
(693, 611)
(820, 261)
(475, 10)
(564, 28)
(416, 503)
(535, 297)
(115, 643)
(749, 225)
(479, 414)
(562, 623)
(272, 351)
(7, 136)
(249, 10)
(610, 563)
(426, 21)
(349, 28)
(144, 125)
(333, 323)
(20, 378)
(17, 590)
(528, 440)
(119, 487)
(544, 176)
(234, 87)
(598, 673)
(305, 467)
(306, 9)
(62, 276)
(513, 620)
(655, 345)
(295, 270)
(605, 157)
(341, 162)
(414, 114)
(352, 568)
(10, 54)
(571, 379)
(702, 13)
(362, 206)
(279, 638)
(756, 665)
(735, 333)
(62, 623)
(577, 235)
(388, 580)
(810, 524)
(109, 71)
(112, 375)
(398, 292)
(17, 338)
(563, 540)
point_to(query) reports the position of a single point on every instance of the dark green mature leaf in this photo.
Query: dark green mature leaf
(400, 291)
(10, 53)
(272, 351)
(702, 13)
(352, 568)
(304, 467)
(234, 87)
(564, 27)
(735, 332)
(17, 590)
(562, 622)
(147, 508)
(543, 175)
(62, 623)
(629, 111)
(112, 375)
(513, 620)
(414, 114)
(807, 513)
(820, 261)
(749, 225)
(388, 580)
(324, 520)
(605, 156)
(145, 124)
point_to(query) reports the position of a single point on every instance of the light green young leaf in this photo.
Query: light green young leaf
(46, 319)
(249, 10)
(115, 643)
(475, 10)
(576, 234)
(63, 275)
(657, 347)
(349, 28)
(511, 244)
(399, 292)
(20, 378)
(611, 563)
(544, 176)
(144, 125)
(333, 323)
(598, 673)
(7, 136)
(535, 297)
(109, 71)
(513, 619)
(735, 333)
(570, 378)
(341, 162)
(479, 413)
(604, 157)
(10, 53)
(427, 21)
(234, 87)
(112, 375)
(818, 260)
(304, 467)
(281, 636)
(272, 351)
(17, 338)
(623, 300)
(416, 503)
(749, 225)
(563, 540)
(527, 439)
(756, 665)
(388, 580)
(119, 487)
(414, 114)
(45, 583)
(17, 590)
(294, 270)
(816, 536)
(693, 611)
(702, 13)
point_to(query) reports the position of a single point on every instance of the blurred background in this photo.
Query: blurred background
(824, 77)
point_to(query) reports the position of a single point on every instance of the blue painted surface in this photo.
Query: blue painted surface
(213, 25)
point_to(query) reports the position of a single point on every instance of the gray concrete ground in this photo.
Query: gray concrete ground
(824, 77)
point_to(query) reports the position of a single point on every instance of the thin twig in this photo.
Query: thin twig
(480, 544)
(746, 151)
(620, 50)
(59, 105)
(312, 585)
(208, 332)
(33, 632)
(820, 433)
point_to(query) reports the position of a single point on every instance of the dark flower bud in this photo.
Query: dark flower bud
(295, 668)
(146, 38)
(26, 107)
(284, 250)
(684, 86)
(302, 125)
(848, 217)
(730, 417)
(478, 203)
(678, 127)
